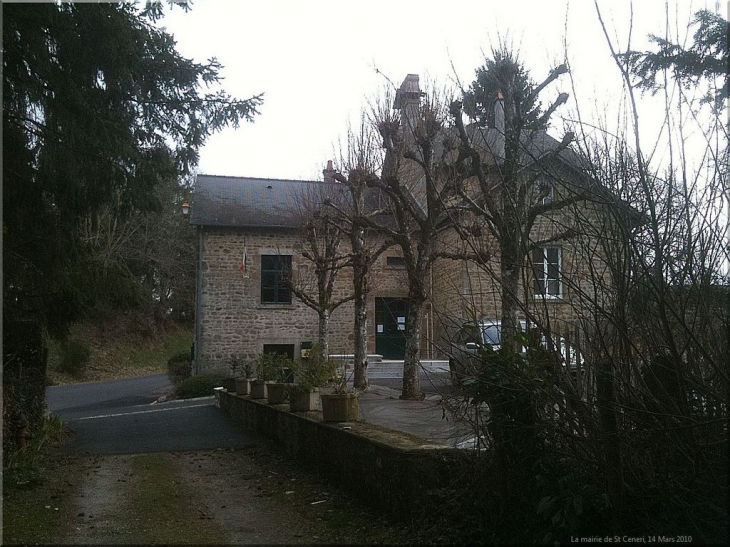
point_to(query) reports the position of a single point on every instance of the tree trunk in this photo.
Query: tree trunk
(412, 363)
(324, 333)
(610, 433)
(510, 273)
(360, 363)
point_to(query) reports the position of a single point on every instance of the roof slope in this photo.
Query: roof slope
(256, 202)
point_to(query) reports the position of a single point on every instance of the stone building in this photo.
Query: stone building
(250, 231)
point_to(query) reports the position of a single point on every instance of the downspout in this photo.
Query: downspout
(199, 301)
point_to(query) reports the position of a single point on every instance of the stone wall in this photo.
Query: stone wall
(396, 473)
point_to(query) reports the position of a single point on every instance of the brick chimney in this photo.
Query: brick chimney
(499, 130)
(407, 100)
(328, 174)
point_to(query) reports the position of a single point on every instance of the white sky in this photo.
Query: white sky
(315, 61)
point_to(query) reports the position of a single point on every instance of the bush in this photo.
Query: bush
(199, 386)
(74, 357)
(179, 367)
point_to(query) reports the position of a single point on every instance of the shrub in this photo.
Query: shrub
(179, 367)
(74, 357)
(199, 386)
(316, 371)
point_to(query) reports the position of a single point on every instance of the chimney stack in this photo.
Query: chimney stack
(499, 129)
(408, 100)
(329, 173)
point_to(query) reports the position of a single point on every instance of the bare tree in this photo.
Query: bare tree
(314, 283)
(360, 161)
(418, 186)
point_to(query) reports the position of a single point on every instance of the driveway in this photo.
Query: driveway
(121, 417)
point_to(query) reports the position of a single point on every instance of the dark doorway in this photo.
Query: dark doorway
(285, 350)
(390, 327)
(282, 350)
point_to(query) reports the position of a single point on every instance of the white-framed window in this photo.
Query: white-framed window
(547, 266)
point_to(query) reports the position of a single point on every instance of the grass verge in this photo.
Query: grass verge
(119, 348)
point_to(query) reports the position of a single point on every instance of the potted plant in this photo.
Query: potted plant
(342, 403)
(314, 373)
(266, 371)
(278, 392)
(243, 383)
(235, 362)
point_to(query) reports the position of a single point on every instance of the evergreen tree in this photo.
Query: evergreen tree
(504, 74)
(706, 58)
(98, 110)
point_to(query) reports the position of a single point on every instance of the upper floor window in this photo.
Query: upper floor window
(275, 272)
(547, 264)
(546, 190)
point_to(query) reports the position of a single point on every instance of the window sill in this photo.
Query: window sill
(274, 306)
(550, 298)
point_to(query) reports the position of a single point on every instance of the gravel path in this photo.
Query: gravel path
(245, 496)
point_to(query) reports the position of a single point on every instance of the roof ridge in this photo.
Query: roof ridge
(262, 178)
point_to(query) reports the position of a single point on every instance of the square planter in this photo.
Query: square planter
(304, 401)
(243, 386)
(259, 389)
(340, 407)
(277, 393)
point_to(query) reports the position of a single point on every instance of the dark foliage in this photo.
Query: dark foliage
(24, 374)
(706, 57)
(98, 109)
(199, 386)
(74, 357)
(503, 73)
(179, 368)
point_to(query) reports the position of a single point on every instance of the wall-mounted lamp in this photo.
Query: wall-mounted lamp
(185, 208)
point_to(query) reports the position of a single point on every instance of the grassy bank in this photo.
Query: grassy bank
(121, 347)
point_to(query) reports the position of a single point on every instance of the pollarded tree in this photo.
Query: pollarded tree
(314, 283)
(419, 185)
(360, 161)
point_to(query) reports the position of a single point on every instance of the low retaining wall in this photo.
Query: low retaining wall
(392, 471)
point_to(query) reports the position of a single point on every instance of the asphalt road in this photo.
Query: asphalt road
(120, 417)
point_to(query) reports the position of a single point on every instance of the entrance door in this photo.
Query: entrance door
(390, 327)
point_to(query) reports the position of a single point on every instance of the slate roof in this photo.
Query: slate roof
(255, 202)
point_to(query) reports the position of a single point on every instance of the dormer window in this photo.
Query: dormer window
(545, 191)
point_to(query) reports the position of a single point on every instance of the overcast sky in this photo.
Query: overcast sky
(316, 61)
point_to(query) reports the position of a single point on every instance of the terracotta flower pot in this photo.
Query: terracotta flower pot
(340, 407)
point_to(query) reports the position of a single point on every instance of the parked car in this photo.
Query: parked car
(467, 338)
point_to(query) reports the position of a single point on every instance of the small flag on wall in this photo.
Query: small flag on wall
(244, 260)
